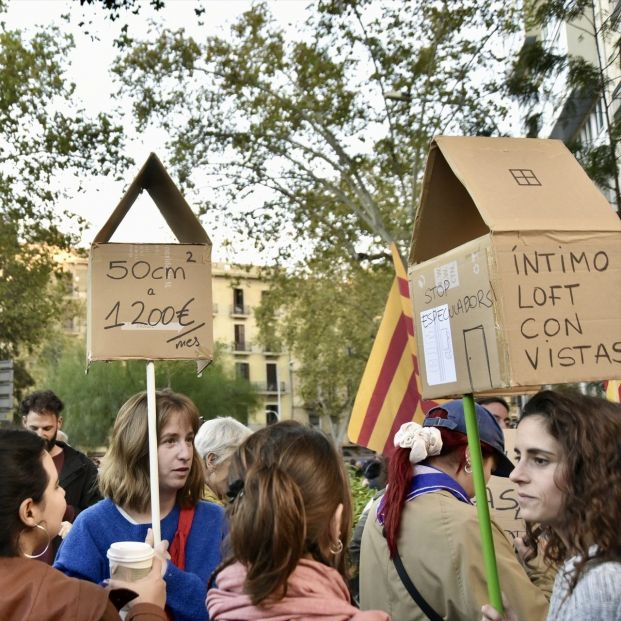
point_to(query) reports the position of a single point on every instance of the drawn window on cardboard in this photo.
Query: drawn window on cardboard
(524, 176)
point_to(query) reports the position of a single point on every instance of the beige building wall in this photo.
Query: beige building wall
(236, 294)
(77, 267)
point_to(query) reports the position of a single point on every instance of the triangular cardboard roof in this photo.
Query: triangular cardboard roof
(178, 214)
(474, 185)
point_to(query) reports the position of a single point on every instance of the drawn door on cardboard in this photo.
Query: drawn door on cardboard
(477, 358)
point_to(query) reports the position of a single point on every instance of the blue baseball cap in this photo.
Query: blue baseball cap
(489, 430)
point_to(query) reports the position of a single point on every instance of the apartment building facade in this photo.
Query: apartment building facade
(574, 115)
(237, 292)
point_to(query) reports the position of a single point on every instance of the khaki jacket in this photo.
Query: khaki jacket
(440, 546)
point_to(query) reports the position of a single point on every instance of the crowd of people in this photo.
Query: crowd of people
(258, 525)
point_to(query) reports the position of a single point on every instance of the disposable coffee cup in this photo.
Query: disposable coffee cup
(130, 560)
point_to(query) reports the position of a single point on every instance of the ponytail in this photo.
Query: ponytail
(286, 483)
(268, 531)
(399, 477)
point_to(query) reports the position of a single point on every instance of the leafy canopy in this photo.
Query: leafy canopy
(305, 125)
(44, 135)
(312, 143)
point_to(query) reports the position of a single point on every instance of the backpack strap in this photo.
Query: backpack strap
(413, 591)
(177, 547)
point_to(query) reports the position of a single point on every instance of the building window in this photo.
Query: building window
(242, 370)
(240, 337)
(271, 414)
(599, 116)
(271, 373)
(238, 301)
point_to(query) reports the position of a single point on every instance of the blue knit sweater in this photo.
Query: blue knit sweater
(83, 552)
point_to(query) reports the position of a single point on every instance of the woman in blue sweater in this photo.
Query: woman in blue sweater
(194, 528)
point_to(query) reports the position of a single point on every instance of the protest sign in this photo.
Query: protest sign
(515, 269)
(151, 301)
(502, 496)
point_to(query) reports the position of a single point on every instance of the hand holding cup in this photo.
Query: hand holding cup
(150, 588)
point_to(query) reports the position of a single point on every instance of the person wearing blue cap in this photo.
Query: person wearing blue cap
(421, 552)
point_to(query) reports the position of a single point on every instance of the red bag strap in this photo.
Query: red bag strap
(177, 547)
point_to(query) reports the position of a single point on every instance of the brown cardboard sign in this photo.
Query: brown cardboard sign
(502, 496)
(151, 301)
(558, 300)
(515, 269)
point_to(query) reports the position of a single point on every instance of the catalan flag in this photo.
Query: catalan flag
(613, 390)
(389, 392)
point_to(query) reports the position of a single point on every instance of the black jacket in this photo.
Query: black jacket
(79, 479)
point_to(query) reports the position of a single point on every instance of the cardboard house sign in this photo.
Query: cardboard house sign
(502, 496)
(514, 269)
(151, 301)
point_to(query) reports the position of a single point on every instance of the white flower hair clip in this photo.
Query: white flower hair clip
(423, 442)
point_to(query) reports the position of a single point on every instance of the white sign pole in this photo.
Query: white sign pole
(153, 465)
(278, 392)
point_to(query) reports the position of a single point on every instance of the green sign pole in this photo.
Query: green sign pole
(485, 525)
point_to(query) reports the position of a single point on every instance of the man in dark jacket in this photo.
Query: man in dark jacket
(77, 473)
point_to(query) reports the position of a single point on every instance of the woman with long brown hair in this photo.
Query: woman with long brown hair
(290, 519)
(568, 480)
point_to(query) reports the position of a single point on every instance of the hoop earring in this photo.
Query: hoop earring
(49, 540)
(468, 466)
(336, 547)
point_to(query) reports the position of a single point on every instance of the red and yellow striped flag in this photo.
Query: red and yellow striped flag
(613, 390)
(389, 392)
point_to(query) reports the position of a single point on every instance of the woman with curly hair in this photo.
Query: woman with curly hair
(568, 481)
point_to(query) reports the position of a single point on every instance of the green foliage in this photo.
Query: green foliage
(361, 494)
(30, 299)
(306, 127)
(308, 117)
(330, 322)
(545, 11)
(598, 162)
(43, 135)
(115, 8)
(533, 64)
(92, 400)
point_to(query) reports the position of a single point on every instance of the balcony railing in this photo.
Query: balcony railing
(239, 310)
(241, 347)
(270, 387)
(271, 349)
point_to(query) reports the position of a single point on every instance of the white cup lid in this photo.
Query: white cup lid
(129, 551)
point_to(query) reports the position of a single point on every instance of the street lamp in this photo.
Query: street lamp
(291, 383)
(271, 417)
